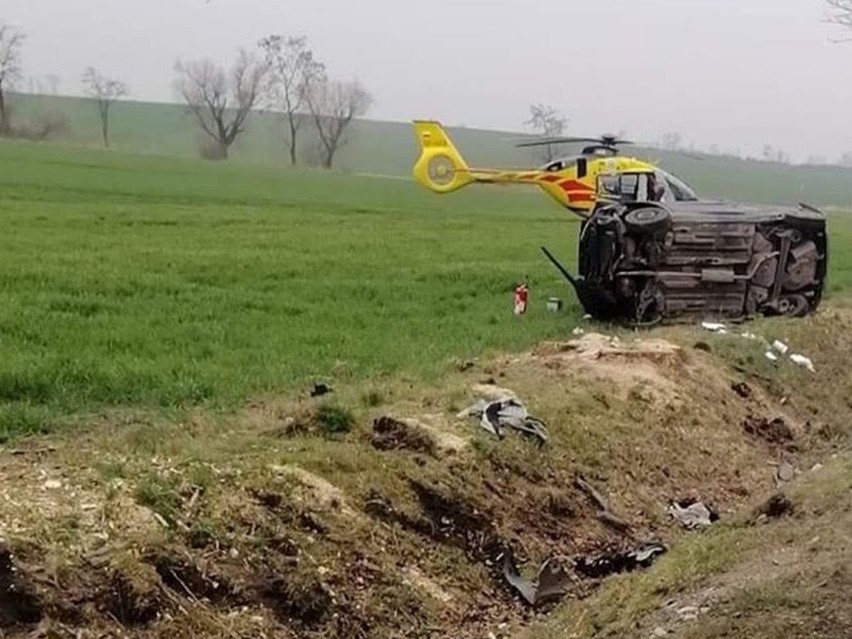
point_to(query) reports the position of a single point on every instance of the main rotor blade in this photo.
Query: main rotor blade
(547, 141)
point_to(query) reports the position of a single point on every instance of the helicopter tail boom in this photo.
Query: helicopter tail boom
(442, 169)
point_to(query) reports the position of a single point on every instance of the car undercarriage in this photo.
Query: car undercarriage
(646, 263)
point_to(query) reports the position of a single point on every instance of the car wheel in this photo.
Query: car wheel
(651, 219)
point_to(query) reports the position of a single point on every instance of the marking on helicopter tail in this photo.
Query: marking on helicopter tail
(574, 185)
(581, 197)
(551, 178)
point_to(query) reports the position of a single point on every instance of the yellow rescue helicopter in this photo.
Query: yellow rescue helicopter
(649, 249)
(571, 181)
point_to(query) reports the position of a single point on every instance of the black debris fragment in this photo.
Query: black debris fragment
(611, 563)
(320, 390)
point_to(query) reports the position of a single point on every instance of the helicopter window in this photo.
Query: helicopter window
(630, 186)
(559, 165)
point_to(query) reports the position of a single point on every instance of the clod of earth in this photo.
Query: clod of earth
(610, 563)
(742, 389)
(551, 581)
(19, 603)
(776, 506)
(319, 390)
(392, 434)
(775, 431)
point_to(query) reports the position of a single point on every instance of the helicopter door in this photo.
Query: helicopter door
(623, 187)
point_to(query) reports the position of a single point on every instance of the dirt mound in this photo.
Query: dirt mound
(399, 526)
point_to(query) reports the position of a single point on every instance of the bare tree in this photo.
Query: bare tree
(11, 41)
(292, 70)
(221, 101)
(841, 12)
(105, 91)
(549, 122)
(333, 106)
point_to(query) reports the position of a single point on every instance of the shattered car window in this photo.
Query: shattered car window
(678, 188)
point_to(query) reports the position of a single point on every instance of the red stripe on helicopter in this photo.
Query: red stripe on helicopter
(581, 197)
(574, 185)
(550, 178)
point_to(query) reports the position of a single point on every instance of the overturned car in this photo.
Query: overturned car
(646, 262)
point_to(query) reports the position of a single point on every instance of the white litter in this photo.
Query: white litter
(749, 336)
(772, 357)
(804, 362)
(578, 331)
(714, 327)
(693, 517)
(780, 346)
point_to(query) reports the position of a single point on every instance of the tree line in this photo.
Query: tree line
(281, 74)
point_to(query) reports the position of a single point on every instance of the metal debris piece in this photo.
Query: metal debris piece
(509, 413)
(606, 564)
(551, 582)
(780, 346)
(772, 357)
(804, 362)
(714, 327)
(693, 516)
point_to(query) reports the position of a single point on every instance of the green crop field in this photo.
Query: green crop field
(143, 282)
(389, 148)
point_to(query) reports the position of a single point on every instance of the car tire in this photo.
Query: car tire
(647, 220)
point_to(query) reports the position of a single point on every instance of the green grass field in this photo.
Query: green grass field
(389, 148)
(137, 281)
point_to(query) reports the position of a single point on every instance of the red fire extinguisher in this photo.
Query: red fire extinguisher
(521, 298)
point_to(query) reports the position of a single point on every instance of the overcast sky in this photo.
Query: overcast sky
(737, 73)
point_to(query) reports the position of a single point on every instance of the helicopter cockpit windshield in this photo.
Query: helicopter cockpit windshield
(658, 186)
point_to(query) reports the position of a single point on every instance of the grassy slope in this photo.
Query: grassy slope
(389, 148)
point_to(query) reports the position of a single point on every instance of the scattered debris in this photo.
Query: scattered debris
(804, 362)
(497, 416)
(775, 431)
(554, 304)
(320, 390)
(393, 434)
(784, 473)
(715, 327)
(551, 582)
(776, 506)
(780, 346)
(605, 515)
(578, 331)
(772, 357)
(611, 563)
(692, 515)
